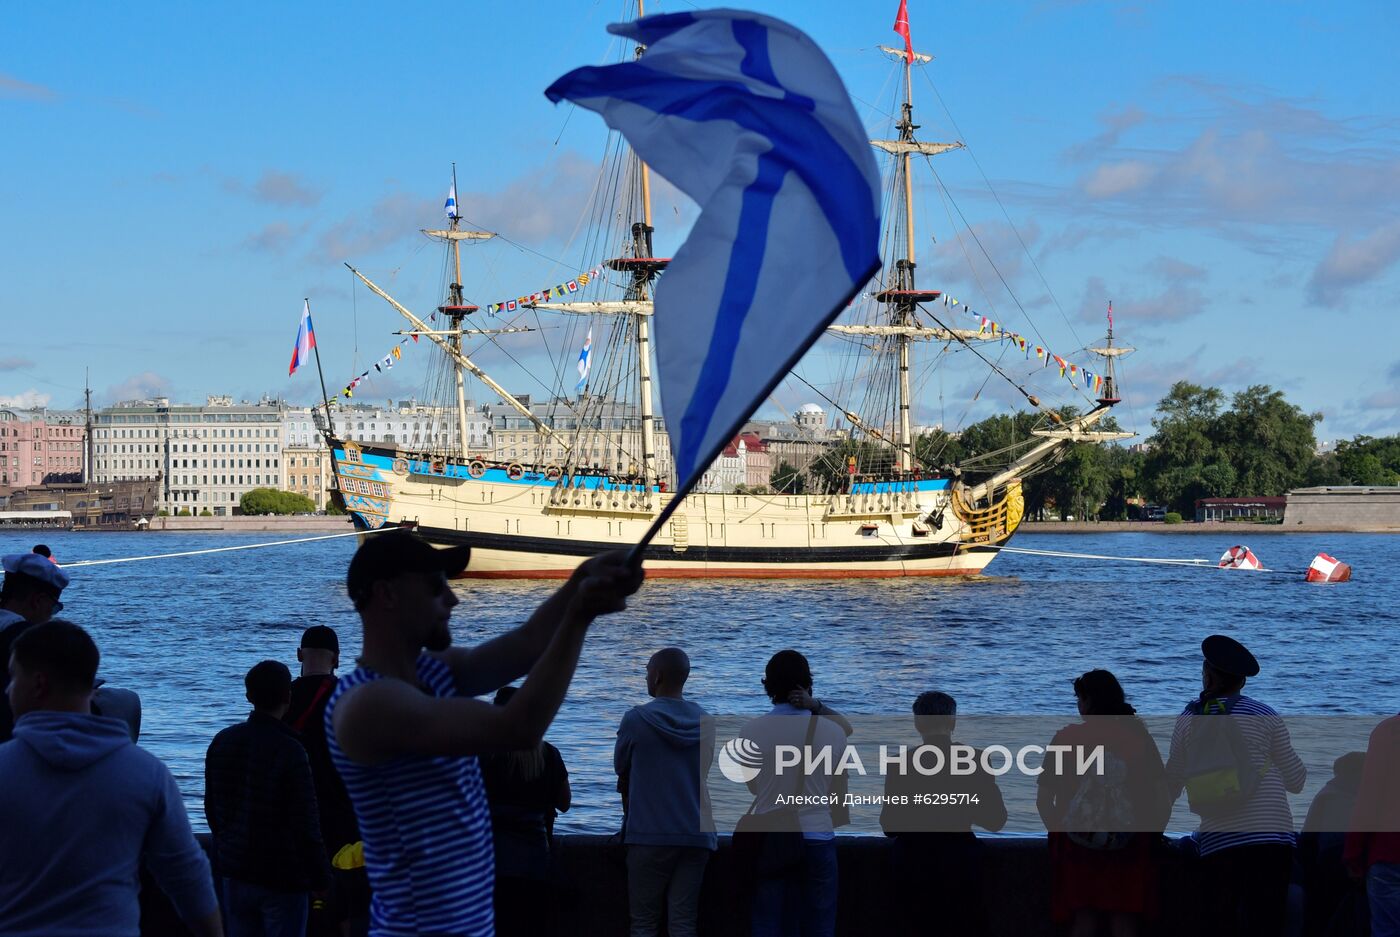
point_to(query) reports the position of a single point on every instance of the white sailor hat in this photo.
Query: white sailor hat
(36, 567)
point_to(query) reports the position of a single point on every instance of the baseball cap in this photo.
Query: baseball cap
(321, 637)
(391, 554)
(38, 568)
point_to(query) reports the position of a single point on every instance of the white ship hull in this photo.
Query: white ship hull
(528, 525)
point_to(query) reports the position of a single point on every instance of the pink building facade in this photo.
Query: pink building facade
(39, 446)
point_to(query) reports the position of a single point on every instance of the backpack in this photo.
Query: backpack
(1100, 814)
(1219, 770)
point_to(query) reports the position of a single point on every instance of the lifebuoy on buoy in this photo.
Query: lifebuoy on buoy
(476, 468)
(515, 471)
(400, 466)
(553, 472)
(1240, 557)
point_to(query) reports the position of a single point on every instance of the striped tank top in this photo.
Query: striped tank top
(1267, 818)
(426, 829)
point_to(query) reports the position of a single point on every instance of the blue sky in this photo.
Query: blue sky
(178, 176)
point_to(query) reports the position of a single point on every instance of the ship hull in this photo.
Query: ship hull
(524, 524)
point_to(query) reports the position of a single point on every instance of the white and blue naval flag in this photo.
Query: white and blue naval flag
(449, 207)
(744, 114)
(585, 361)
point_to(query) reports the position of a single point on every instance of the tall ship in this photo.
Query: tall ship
(589, 469)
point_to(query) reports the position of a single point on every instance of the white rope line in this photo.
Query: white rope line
(1100, 556)
(1197, 564)
(244, 546)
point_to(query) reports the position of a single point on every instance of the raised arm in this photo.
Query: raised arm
(503, 659)
(387, 718)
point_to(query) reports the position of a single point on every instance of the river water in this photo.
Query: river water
(183, 631)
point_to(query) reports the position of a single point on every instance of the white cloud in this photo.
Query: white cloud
(1354, 261)
(277, 188)
(26, 400)
(137, 387)
(1111, 180)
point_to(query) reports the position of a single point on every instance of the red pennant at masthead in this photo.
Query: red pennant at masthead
(901, 26)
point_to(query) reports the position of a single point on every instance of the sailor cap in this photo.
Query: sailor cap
(36, 567)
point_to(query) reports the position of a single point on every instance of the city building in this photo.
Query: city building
(1240, 509)
(407, 425)
(727, 471)
(204, 457)
(119, 505)
(758, 464)
(603, 434)
(39, 447)
(308, 472)
(799, 442)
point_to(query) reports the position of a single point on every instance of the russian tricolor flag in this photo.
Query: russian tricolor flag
(306, 340)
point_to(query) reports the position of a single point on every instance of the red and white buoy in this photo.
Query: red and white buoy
(1326, 568)
(1240, 557)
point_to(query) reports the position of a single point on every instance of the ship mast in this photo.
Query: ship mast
(1109, 352)
(456, 308)
(905, 312)
(642, 323)
(903, 296)
(642, 267)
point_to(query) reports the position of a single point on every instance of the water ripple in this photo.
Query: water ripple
(183, 632)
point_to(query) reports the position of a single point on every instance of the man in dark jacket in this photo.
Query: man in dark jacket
(319, 655)
(261, 805)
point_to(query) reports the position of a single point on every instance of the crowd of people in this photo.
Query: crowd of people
(391, 798)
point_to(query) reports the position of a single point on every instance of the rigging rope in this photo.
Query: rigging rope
(1161, 561)
(244, 546)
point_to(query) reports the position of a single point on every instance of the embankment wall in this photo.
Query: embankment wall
(313, 523)
(590, 896)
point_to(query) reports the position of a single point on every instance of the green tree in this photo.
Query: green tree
(1079, 483)
(272, 501)
(1124, 476)
(831, 470)
(1366, 460)
(1184, 447)
(1267, 440)
(787, 479)
(938, 448)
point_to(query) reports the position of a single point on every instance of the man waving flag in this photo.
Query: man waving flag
(744, 114)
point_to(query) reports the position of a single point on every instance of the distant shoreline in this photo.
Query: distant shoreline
(1209, 527)
(341, 524)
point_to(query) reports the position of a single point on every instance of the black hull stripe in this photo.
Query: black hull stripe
(754, 556)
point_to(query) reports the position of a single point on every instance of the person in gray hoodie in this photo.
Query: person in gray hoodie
(82, 806)
(662, 756)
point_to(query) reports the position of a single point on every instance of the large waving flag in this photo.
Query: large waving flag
(745, 115)
(306, 340)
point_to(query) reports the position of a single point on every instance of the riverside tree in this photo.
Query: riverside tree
(272, 501)
(1263, 445)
